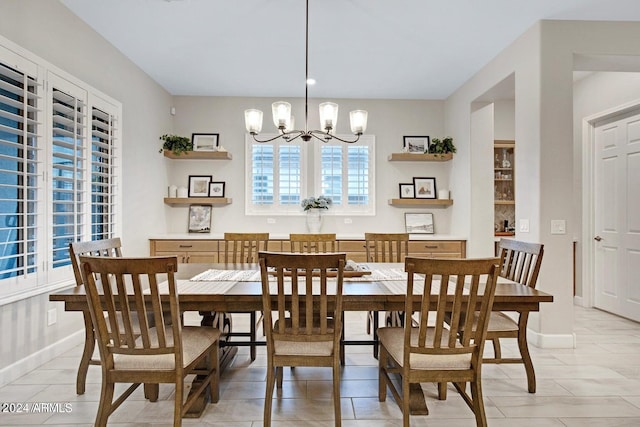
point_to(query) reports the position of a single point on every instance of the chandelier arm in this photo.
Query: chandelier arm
(282, 135)
(315, 132)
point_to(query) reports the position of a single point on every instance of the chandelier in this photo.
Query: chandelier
(284, 121)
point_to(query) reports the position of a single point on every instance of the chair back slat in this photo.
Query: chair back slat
(302, 289)
(386, 247)
(123, 300)
(244, 247)
(520, 261)
(313, 243)
(466, 289)
(106, 248)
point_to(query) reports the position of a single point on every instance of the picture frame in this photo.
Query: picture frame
(416, 144)
(216, 189)
(200, 218)
(419, 223)
(199, 185)
(407, 191)
(425, 188)
(205, 141)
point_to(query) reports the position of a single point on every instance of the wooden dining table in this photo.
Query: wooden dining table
(361, 292)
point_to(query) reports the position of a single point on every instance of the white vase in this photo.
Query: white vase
(314, 220)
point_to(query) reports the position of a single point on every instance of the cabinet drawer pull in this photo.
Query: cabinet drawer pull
(431, 246)
(186, 246)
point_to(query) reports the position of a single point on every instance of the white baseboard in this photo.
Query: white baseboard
(579, 301)
(551, 340)
(31, 362)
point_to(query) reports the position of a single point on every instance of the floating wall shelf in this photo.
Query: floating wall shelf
(412, 157)
(199, 155)
(420, 202)
(175, 201)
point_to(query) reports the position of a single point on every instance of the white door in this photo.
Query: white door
(617, 216)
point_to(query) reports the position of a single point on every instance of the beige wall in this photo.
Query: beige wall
(389, 121)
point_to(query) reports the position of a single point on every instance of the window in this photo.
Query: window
(277, 173)
(58, 171)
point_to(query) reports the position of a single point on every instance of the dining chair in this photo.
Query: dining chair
(305, 326)
(313, 243)
(128, 291)
(317, 243)
(519, 262)
(107, 248)
(243, 248)
(434, 350)
(385, 247)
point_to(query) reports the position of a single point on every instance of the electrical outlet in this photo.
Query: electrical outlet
(348, 221)
(524, 226)
(52, 316)
(271, 220)
(558, 226)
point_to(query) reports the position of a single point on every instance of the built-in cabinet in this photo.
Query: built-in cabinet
(413, 157)
(198, 155)
(212, 250)
(504, 187)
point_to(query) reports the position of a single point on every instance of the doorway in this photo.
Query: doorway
(614, 231)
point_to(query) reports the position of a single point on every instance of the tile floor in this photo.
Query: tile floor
(596, 384)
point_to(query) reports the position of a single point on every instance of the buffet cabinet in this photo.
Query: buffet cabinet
(212, 250)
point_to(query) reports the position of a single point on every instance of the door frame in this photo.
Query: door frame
(588, 199)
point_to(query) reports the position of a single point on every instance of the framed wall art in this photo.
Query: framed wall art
(205, 141)
(425, 188)
(407, 191)
(199, 185)
(419, 223)
(216, 189)
(416, 144)
(199, 218)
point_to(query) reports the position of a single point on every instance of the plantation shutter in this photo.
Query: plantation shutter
(20, 165)
(68, 168)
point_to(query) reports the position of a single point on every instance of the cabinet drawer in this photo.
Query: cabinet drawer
(435, 246)
(351, 246)
(186, 245)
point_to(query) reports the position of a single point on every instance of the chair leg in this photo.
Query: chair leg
(214, 386)
(87, 352)
(342, 336)
(524, 353)
(382, 380)
(496, 348)
(279, 375)
(478, 404)
(253, 327)
(442, 391)
(268, 397)
(406, 410)
(375, 334)
(177, 405)
(151, 392)
(106, 400)
(336, 395)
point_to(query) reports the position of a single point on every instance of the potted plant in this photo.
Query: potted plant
(443, 146)
(175, 143)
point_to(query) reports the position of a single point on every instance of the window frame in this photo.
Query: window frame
(310, 179)
(46, 277)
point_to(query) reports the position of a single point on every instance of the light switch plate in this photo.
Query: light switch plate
(558, 226)
(271, 220)
(524, 226)
(348, 221)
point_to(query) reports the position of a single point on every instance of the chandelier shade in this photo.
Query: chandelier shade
(284, 121)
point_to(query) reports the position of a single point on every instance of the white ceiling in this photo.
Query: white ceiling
(396, 49)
